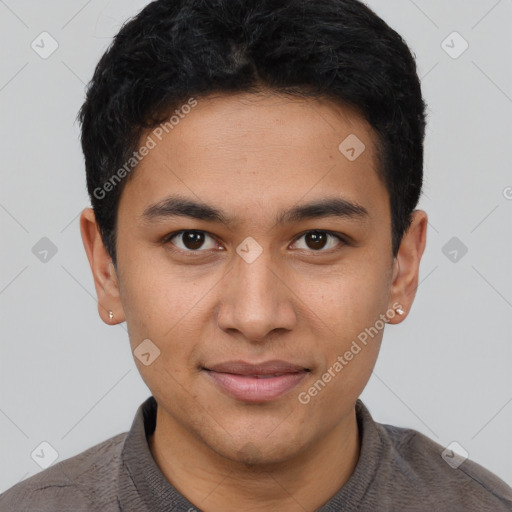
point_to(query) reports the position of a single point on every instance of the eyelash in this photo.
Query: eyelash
(191, 253)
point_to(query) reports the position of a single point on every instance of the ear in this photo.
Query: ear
(406, 266)
(103, 270)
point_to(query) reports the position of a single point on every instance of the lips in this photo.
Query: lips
(256, 382)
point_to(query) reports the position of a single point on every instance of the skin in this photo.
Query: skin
(252, 156)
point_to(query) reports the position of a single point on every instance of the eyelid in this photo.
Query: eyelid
(340, 236)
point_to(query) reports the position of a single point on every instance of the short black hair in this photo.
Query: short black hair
(175, 50)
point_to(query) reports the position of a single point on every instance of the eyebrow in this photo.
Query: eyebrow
(178, 206)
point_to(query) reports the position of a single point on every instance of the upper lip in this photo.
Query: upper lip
(264, 368)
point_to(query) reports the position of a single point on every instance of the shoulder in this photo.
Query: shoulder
(447, 479)
(84, 482)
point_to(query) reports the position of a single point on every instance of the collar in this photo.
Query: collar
(143, 487)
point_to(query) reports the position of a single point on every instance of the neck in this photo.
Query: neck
(217, 484)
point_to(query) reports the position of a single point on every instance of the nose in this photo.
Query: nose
(257, 299)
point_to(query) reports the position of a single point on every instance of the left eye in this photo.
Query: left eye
(192, 241)
(318, 239)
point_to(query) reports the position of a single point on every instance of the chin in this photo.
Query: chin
(259, 453)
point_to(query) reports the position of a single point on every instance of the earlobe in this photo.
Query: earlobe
(103, 271)
(406, 272)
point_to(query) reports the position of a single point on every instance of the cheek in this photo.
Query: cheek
(157, 301)
(350, 307)
(350, 298)
(169, 312)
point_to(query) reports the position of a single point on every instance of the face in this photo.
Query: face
(252, 312)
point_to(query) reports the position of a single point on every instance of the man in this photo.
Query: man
(254, 169)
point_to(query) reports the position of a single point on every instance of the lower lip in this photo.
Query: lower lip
(254, 389)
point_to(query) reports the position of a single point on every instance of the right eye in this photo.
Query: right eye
(189, 240)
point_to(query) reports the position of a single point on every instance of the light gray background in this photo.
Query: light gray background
(68, 379)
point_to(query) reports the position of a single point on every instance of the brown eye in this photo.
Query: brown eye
(191, 240)
(318, 240)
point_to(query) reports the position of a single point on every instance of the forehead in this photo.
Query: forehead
(266, 121)
(251, 153)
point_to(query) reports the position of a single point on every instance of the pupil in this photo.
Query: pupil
(193, 240)
(317, 238)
